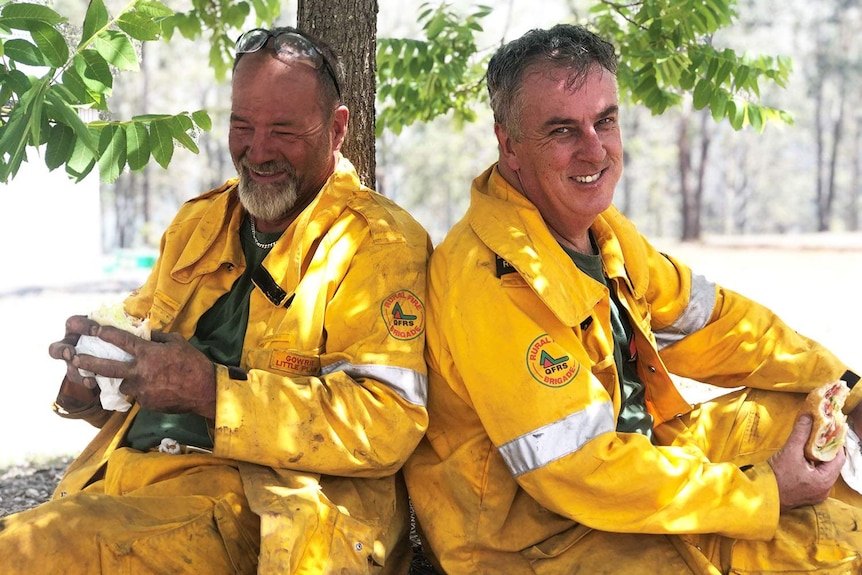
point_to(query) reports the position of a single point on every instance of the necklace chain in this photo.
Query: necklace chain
(254, 236)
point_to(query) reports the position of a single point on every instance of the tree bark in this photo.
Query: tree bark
(350, 27)
(689, 202)
(856, 178)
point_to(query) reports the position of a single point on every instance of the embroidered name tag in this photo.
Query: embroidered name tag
(293, 362)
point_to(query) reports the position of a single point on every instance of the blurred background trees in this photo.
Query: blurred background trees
(690, 171)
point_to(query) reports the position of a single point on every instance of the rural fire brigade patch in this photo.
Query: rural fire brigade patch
(404, 314)
(549, 364)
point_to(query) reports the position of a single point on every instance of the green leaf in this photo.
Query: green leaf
(190, 28)
(60, 110)
(95, 21)
(755, 117)
(435, 26)
(17, 129)
(741, 77)
(179, 130)
(17, 81)
(150, 117)
(61, 143)
(51, 43)
(82, 161)
(112, 156)
(36, 112)
(5, 89)
(14, 131)
(202, 119)
(236, 13)
(736, 114)
(138, 26)
(116, 48)
(94, 71)
(153, 9)
(718, 105)
(73, 82)
(137, 145)
(702, 94)
(723, 72)
(161, 142)
(25, 52)
(18, 15)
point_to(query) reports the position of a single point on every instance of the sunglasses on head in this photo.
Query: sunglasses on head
(287, 45)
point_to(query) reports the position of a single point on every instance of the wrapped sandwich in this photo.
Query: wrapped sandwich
(114, 316)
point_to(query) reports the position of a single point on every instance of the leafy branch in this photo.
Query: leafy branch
(667, 52)
(44, 86)
(418, 80)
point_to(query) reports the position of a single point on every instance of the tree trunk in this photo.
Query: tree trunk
(703, 160)
(690, 224)
(855, 178)
(350, 27)
(837, 135)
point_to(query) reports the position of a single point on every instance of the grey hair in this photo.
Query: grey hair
(329, 93)
(564, 46)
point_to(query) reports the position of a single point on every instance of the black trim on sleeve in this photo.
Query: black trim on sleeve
(237, 373)
(850, 378)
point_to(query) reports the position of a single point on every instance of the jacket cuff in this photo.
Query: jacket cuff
(229, 382)
(769, 507)
(70, 408)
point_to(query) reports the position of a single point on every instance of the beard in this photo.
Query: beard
(268, 202)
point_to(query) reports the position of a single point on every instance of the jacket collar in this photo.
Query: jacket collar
(217, 231)
(511, 226)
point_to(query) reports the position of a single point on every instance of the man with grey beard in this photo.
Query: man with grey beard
(283, 385)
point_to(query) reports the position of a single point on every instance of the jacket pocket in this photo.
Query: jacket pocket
(557, 544)
(339, 544)
(822, 538)
(211, 541)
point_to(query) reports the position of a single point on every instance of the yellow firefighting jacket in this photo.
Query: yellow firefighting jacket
(335, 383)
(524, 392)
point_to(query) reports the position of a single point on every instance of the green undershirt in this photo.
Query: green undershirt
(219, 335)
(633, 417)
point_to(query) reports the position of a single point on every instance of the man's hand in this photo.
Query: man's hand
(76, 326)
(166, 374)
(802, 482)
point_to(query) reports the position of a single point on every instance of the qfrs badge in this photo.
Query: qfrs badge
(404, 315)
(549, 364)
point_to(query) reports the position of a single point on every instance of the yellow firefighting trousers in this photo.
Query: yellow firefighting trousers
(744, 427)
(140, 522)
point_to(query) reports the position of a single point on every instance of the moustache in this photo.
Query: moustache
(270, 167)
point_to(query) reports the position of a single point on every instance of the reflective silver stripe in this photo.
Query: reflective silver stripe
(409, 384)
(558, 439)
(694, 316)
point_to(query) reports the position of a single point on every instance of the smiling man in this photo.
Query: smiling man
(557, 441)
(284, 385)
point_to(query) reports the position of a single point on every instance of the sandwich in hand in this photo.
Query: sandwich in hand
(829, 428)
(115, 316)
